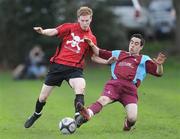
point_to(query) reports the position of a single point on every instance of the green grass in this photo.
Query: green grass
(158, 117)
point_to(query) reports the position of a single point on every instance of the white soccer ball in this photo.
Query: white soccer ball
(67, 125)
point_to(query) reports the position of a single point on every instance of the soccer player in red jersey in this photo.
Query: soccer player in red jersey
(68, 60)
(128, 72)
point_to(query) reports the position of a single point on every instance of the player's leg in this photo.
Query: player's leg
(41, 101)
(87, 113)
(78, 85)
(131, 116)
(45, 92)
(129, 99)
(54, 78)
(98, 105)
(108, 95)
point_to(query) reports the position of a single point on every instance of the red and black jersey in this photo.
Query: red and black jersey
(73, 50)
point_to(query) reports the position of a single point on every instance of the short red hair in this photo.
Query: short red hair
(84, 11)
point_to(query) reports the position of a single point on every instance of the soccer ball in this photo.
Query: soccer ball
(67, 125)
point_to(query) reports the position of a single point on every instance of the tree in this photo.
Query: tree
(110, 35)
(17, 20)
(176, 47)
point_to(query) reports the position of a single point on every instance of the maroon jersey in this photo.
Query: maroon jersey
(73, 49)
(130, 67)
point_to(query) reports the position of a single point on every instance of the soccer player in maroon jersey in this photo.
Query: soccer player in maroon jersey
(127, 74)
(68, 60)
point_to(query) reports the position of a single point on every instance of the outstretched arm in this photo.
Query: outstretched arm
(103, 61)
(46, 32)
(159, 62)
(93, 46)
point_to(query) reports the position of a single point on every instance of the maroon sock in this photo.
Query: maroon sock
(96, 107)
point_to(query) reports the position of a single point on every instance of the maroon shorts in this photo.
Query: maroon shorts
(121, 90)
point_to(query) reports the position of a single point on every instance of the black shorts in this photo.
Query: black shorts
(57, 73)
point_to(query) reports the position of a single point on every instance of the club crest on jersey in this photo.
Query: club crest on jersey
(73, 44)
(126, 64)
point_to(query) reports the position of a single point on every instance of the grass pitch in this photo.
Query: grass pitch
(158, 115)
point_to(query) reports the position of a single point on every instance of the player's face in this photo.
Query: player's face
(135, 45)
(84, 21)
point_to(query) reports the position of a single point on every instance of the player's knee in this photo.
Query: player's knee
(79, 90)
(82, 89)
(43, 98)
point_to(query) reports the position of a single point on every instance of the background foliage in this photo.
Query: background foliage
(18, 18)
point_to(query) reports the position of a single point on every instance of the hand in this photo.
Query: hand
(160, 59)
(111, 60)
(89, 41)
(38, 30)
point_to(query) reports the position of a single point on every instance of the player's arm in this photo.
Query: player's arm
(46, 32)
(93, 46)
(159, 62)
(155, 67)
(103, 61)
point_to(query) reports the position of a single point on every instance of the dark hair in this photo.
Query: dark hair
(140, 37)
